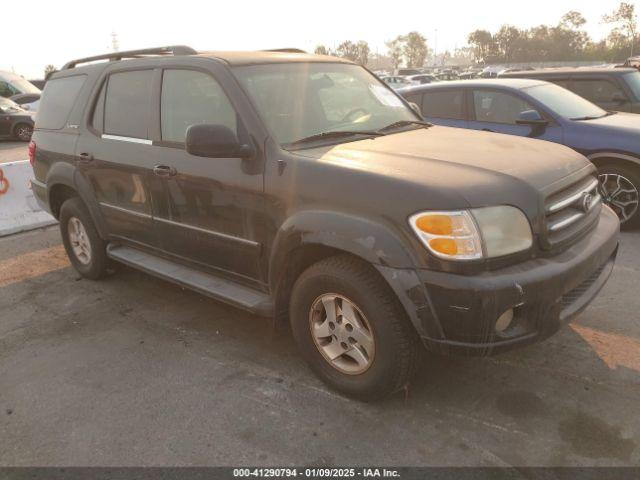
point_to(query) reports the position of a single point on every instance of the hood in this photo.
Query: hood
(481, 167)
(619, 122)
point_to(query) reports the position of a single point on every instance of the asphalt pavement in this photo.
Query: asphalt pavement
(136, 371)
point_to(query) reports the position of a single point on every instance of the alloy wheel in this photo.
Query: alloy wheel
(620, 194)
(342, 334)
(79, 240)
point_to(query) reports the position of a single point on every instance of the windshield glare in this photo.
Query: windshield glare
(565, 103)
(299, 100)
(9, 105)
(24, 86)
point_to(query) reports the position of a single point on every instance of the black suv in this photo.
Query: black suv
(301, 187)
(614, 89)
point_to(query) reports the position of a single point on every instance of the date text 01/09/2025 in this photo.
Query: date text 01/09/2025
(316, 472)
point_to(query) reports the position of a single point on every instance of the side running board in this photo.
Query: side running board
(215, 287)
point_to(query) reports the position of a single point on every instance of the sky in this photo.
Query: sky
(67, 29)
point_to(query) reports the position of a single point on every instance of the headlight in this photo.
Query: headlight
(478, 233)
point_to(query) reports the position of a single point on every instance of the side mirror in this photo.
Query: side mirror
(618, 98)
(415, 108)
(215, 141)
(531, 117)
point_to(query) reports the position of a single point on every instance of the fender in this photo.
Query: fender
(380, 246)
(343, 231)
(63, 173)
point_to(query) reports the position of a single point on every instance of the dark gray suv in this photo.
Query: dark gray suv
(614, 89)
(301, 187)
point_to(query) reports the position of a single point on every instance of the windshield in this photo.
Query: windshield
(24, 86)
(299, 100)
(7, 105)
(565, 103)
(633, 80)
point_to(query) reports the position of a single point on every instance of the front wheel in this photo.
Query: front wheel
(352, 330)
(620, 187)
(23, 132)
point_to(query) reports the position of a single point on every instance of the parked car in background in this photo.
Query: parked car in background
(15, 122)
(422, 78)
(542, 110)
(12, 84)
(616, 89)
(396, 82)
(300, 186)
(27, 101)
(38, 83)
(403, 72)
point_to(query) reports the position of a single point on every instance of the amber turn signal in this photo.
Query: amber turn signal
(447, 246)
(435, 224)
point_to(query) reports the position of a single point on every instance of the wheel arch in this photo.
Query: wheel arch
(600, 159)
(313, 236)
(63, 182)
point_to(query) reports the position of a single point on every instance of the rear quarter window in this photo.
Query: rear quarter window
(58, 98)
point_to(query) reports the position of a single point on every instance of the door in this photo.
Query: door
(445, 107)
(207, 210)
(116, 157)
(604, 92)
(497, 111)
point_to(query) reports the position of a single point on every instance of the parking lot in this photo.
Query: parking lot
(136, 371)
(12, 151)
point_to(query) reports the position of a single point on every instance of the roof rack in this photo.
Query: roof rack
(145, 52)
(285, 50)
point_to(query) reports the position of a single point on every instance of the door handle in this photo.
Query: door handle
(85, 158)
(164, 171)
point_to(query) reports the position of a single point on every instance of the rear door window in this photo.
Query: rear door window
(58, 98)
(126, 106)
(443, 104)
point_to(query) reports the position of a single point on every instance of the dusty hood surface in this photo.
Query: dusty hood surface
(458, 157)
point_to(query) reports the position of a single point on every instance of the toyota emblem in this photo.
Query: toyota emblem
(587, 201)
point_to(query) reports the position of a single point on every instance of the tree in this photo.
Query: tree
(625, 18)
(483, 44)
(415, 49)
(321, 50)
(48, 70)
(363, 52)
(395, 51)
(348, 50)
(506, 42)
(572, 19)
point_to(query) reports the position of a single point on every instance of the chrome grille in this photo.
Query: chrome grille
(571, 211)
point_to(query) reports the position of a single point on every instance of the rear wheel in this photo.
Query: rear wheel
(620, 189)
(23, 132)
(85, 248)
(351, 329)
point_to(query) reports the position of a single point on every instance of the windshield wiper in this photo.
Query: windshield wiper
(335, 134)
(589, 117)
(403, 123)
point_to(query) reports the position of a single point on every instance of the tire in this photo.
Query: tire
(629, 179)
(94, 265)
(394, 355)
(23, 132)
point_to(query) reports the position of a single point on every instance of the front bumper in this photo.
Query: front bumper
(456, 313)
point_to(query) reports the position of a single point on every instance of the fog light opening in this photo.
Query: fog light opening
(504, 321)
